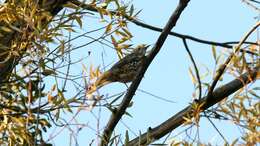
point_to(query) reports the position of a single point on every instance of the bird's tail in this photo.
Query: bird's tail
(102, 80)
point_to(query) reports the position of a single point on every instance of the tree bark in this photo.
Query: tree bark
(178, 119)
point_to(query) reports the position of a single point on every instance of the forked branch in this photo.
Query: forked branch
(117, 115)
(178, 119)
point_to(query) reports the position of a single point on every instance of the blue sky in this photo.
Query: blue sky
(167, 76)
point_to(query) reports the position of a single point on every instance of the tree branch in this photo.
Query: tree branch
(178, 119)
(181, 36)
(195, 67)
(188, 37)
(222, 67)
(117, 115)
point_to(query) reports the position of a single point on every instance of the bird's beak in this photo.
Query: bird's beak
(147, 46)
(147, 52)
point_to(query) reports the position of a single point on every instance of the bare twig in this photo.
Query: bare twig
(222, 68)
(255, 1)
(251, 3)
(188, 37)
(215, 127)
(182, 36)
(194, 65)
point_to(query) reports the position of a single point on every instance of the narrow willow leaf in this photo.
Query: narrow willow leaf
(127, 32)
(108, 28)
(6, 29)
(131, 10)
(214, 53)
(114, 41)
(62, 47)
(79, 21)
(126, 138)
(193, 78)
(71, 5)
(48, 72)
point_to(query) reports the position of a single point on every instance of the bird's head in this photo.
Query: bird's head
(141, 49)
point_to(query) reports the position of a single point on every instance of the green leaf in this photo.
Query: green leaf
(62, 47)
(64, 101)
(57, 115)
(126, 138)
(128, 114)
(254, 93)
(118, 97)
(131, 10)
(71, 5)
(48, 72)
(108, 28)
(79, 21)
(42, 64)
(6, 29)
(214, 53)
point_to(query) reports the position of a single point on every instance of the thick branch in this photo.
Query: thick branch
(117, 115)
(177, 120)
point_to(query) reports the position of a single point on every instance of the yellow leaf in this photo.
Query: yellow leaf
(119, 52)
(50, 98)
(100, 12)
(114, 41)
(84, 68)
(121, 33)
(97, 72)
(69, 29)
(62, 47)
(16, 28)
(91, 72)
(53, 88)
(187, 121)
(6, 29)
(70, 5)
(193, 79)
(127, 32)
(214, 53)
(122, 40)
(109, 28)
(78, 19)
(124, 46)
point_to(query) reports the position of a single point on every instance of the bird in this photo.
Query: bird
(126, 69)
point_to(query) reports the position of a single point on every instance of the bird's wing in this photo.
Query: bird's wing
(126, 60)
(135, 56)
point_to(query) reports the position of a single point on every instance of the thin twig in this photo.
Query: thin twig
(215, 127)
(156, 96)
(194, 65)
(255, 1)
(182, 36)
(222, 68)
